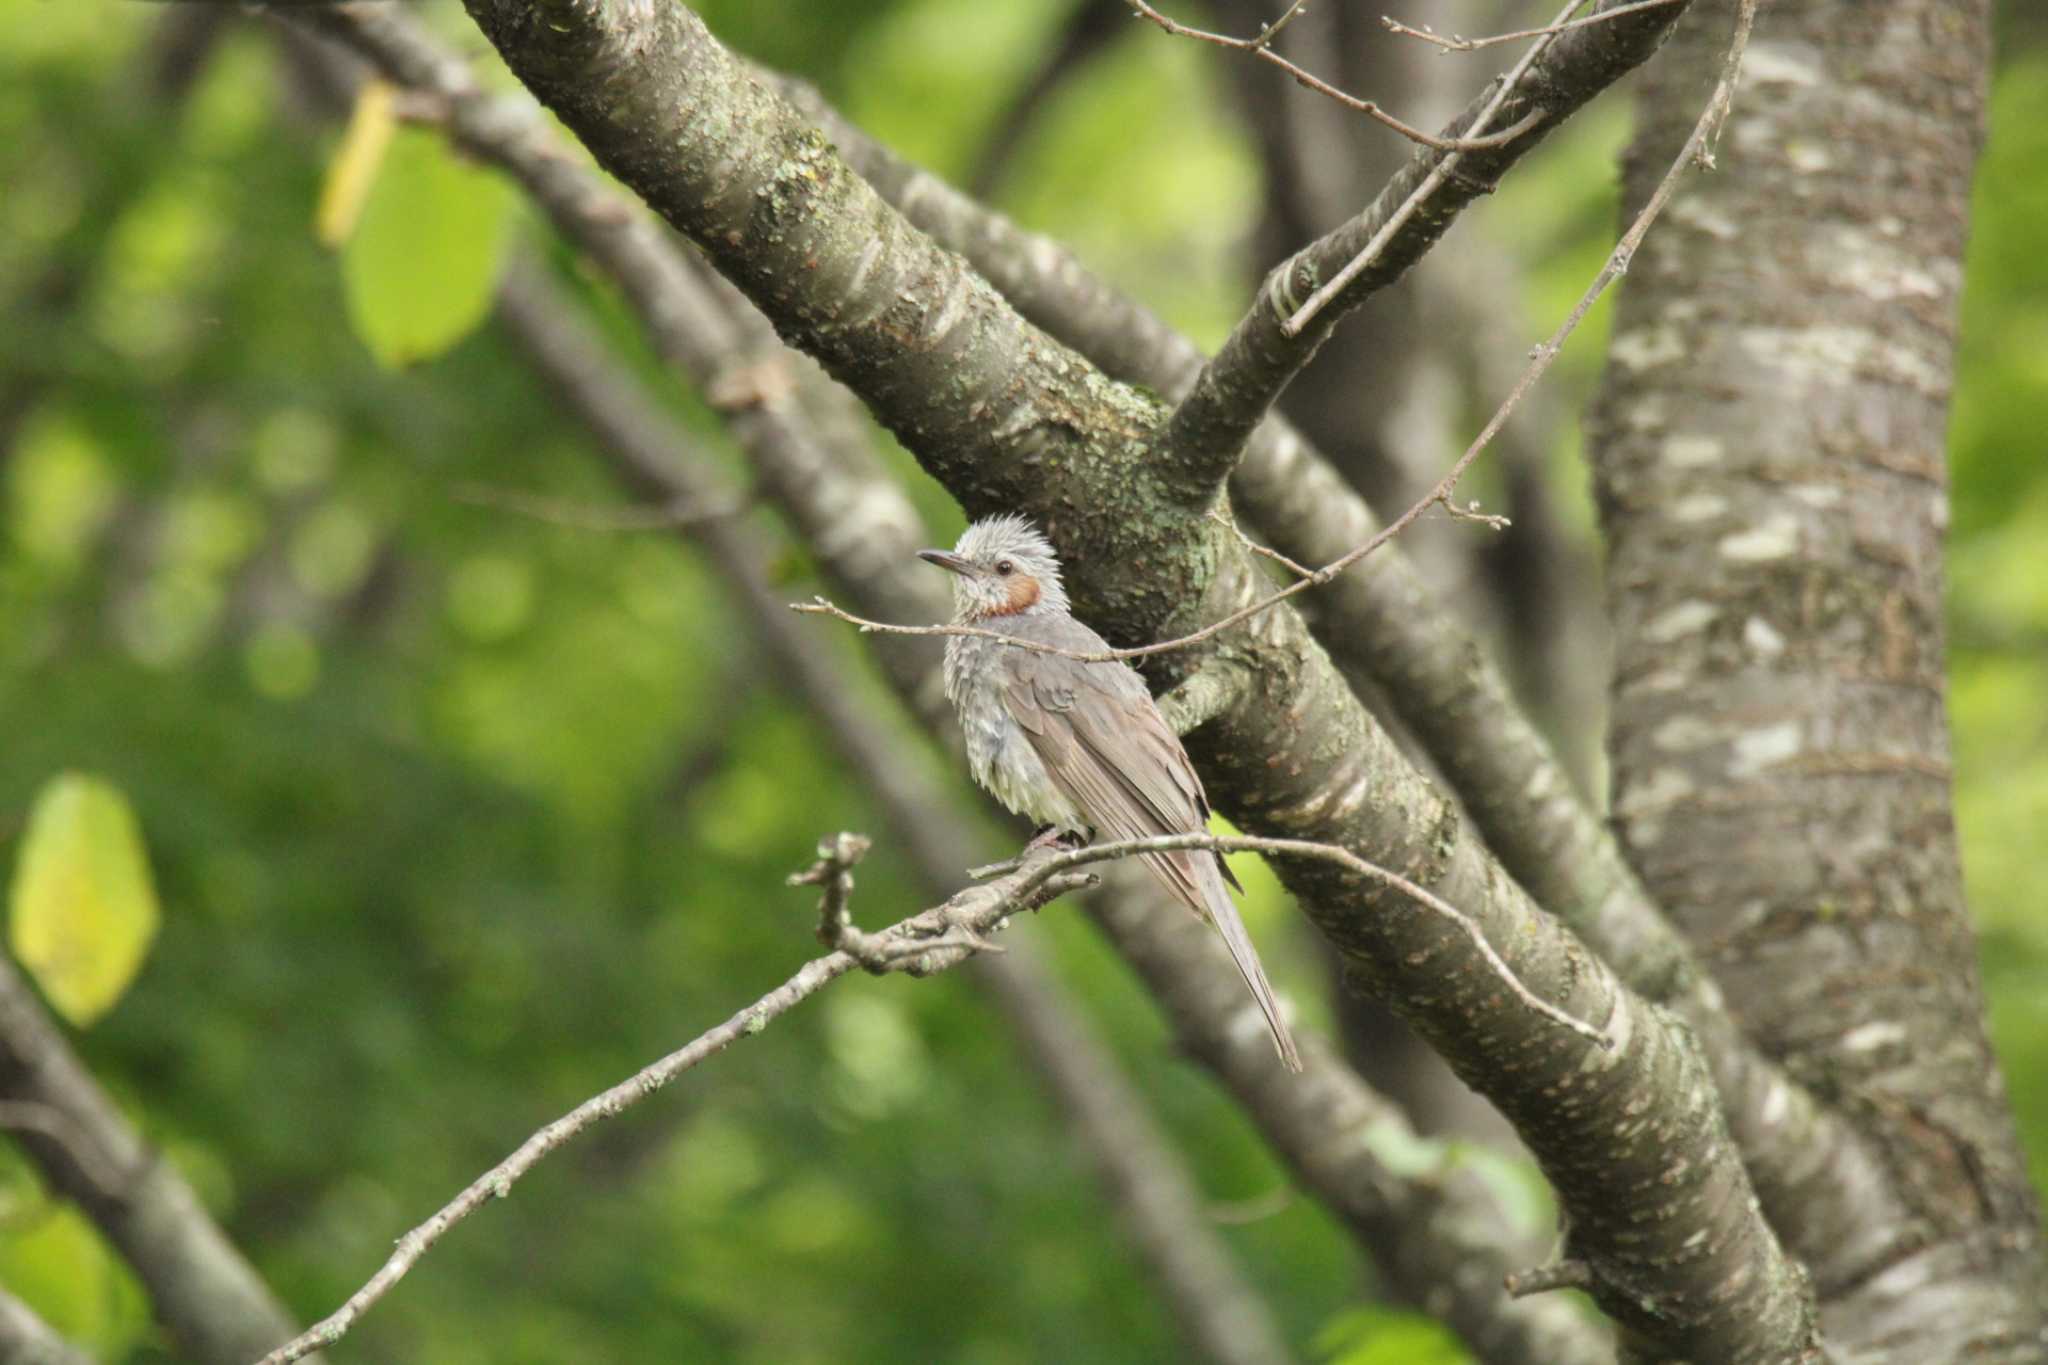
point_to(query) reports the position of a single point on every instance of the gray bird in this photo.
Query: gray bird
(1078, 747)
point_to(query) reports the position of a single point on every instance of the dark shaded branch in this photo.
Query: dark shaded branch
(1088, 31)
(214, 1305)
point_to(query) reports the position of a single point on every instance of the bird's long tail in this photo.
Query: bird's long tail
(1197, 878)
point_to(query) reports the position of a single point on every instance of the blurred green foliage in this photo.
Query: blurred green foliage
(457, 817)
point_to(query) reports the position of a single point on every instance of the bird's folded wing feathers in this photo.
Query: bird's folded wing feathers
(1114, 756)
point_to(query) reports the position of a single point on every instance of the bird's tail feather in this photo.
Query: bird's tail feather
(1197, 878)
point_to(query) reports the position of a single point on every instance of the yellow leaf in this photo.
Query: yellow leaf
(83, 910)
(354, 167)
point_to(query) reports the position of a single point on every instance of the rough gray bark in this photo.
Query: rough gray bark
(1769, 457)
(1007, 418)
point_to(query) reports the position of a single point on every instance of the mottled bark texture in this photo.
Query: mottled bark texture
(1768, 453)
(1377, 401)
(1006, 417)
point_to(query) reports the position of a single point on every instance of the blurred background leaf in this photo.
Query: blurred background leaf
(82, 912)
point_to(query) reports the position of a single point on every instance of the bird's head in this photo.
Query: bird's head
(1002, 567)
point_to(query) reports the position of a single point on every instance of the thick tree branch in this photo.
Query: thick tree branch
(216, 1308)
(1770, 471)
(809, 244)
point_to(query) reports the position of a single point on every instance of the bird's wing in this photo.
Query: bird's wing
(1104, 743)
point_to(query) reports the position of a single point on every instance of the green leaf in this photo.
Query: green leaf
(423, 263)
(352, 171)
(83, 910)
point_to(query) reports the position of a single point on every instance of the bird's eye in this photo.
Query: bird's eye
(1006, 567)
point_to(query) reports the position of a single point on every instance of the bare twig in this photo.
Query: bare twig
(1305, 848)
(1261, 47)
(1565, 1274)
(1438, 175)
(675, 515)
(1454, 43)
(920, 945)
(834, 872)
(1263, 551)
(932, 941)
(1268, 32)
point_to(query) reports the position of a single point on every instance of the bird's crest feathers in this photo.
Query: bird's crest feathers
(1018, 569)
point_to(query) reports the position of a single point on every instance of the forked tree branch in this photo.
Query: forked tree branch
(1304, 297)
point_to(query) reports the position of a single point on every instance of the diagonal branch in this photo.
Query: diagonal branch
(26, 1339)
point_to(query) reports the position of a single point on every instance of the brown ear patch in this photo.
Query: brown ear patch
(1024, 592)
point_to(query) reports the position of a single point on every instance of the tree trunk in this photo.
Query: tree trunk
(1768, 455)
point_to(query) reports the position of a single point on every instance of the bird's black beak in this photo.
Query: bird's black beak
(947, 560)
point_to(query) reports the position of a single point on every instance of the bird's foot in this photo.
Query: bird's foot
(1047, 838)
